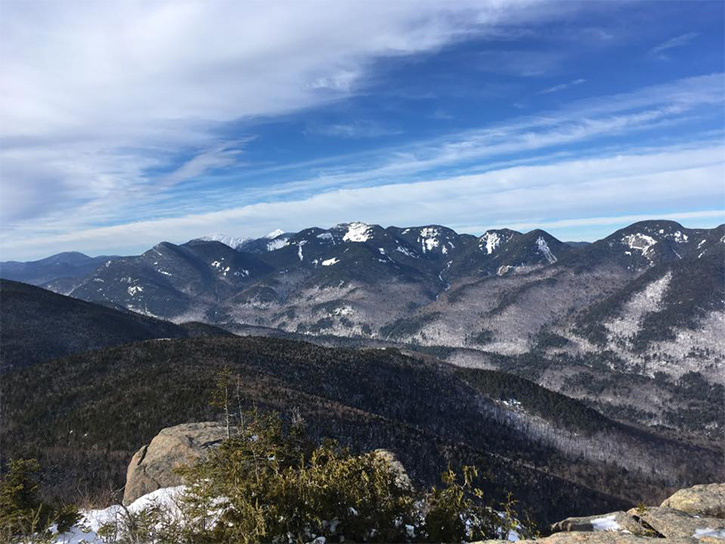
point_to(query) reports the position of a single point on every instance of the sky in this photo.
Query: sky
(125, 123)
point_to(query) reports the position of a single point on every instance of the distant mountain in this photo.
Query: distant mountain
(646, 300)
(172, 281)
(230, 241)
(650, 243)
(38, 325)
(556, 455)
(68, 265)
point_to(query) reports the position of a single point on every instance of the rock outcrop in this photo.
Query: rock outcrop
(700, 500)
(616, 521)
(401, 476)
(691, 516)
(152, 467)
(671, 523)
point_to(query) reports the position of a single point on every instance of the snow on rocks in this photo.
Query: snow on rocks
(489, 242)
(299, 249)
(274, 234)
(277, 243)
(330, 262)
(640, 242)
(357, 232)
(646, 301)
(429, 239)
(544, 249)
(406, 252)
(231, 241)
(134, 289)
(606, 523)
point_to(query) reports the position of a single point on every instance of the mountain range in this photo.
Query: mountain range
(643, 308)
(582, 377)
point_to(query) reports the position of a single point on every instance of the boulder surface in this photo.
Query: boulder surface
(152, 467)
(695, 515)
(700, 500)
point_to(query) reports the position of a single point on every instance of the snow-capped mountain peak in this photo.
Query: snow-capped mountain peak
(274, 234)
(225, 239)
(357, 232)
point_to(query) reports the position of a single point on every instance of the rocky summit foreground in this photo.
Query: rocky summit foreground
(696, 514)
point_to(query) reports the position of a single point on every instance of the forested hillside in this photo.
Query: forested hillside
(38, 325)
(83, 416)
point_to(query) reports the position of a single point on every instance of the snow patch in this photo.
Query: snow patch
(86, 531)
(607, 523)
(132, 290)
(640, 242)
(406, 252)
(489, 242)
(277, 243)
(357, 232)
(230, 241)
(429, 238)
(274, 234)
(299, 249)
(330, 262)
(543, 248)
(711, 533)
(645, 301)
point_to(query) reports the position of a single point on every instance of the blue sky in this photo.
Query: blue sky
(126, 123)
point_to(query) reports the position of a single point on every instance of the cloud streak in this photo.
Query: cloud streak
(122, 88)
(563, 86)
(571, 191)
(678, 41)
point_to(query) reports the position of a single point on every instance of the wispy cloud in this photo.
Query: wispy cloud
(93, 97)
(678, 41)
(563, 86)
(357, 129)
(571, 190)
(111, 111)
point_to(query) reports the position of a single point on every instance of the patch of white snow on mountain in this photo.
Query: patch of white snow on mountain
(646, 301)
(429, 238)
(405, 251)
(357, 232)
(134, 289)
(277, 243)
(299, 249)
(274, 234)
(330, 262)
(543, 248)
(489, 242)
(640, 242)
(230, 241)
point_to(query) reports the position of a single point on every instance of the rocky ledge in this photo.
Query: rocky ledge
(693, 515)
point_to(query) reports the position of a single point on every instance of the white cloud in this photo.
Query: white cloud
(357, 129)
(563, 86)
(93, 94)
(678, 41)
(96, 95)
(573, 191)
